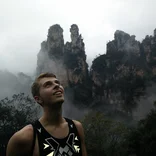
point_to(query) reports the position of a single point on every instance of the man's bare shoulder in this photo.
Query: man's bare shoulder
(77, 123)
(81, 133)
(79, 127)
(21, 141)
(24, 135)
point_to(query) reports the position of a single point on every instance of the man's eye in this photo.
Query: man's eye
(48, 84)
(57, 82)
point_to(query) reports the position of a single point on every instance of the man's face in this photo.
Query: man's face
(51, 92)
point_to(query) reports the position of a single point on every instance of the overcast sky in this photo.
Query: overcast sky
(24, 25)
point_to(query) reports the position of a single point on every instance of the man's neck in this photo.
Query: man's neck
(52, 117)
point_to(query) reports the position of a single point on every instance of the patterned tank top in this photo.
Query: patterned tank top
(51, 146)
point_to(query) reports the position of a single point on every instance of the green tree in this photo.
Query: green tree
(131, 87)
(142, 140)
(15, 113)
(104, 136)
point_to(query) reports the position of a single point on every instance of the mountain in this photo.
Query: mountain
(116, 80)
(14, 84)
(67, 61)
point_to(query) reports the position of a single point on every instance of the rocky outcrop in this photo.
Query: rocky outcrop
(149, 49)
(75, 58)
(124, 47)
(119, 73)
(115, 78)
(67, 61)
(76, 39)
(50, 57)
(154, 33)
(55, 42)
(77, 68)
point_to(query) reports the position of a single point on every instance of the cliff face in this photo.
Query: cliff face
(116, 79)
(123, 52)
(149, 49)
(67, 61)
(75, 58)
(55, 42)
(50, 57)
(124, 47)
(51, 50)
(119, 75)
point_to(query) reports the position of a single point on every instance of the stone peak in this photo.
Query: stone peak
(155, 32)
(119, 33)
(74, 27)
(55, 29)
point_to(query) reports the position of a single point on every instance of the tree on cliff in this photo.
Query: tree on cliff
(131, 87)
(113, 77)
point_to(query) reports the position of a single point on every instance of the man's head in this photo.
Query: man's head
(47, 90)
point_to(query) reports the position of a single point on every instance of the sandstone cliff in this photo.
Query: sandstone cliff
(67, 61)
(116, 79)
(119, 76)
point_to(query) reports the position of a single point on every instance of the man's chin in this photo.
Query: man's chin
(59, 101)
(57, 104)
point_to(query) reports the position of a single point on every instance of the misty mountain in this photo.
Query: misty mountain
(14, 84)
(118, 82)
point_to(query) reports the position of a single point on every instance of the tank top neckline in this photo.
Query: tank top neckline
(63, 138)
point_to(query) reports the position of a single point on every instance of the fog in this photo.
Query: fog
(24, 25)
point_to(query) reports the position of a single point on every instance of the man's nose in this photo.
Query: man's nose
(56, 86)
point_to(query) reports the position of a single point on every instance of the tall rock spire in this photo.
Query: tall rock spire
(50, 57)
(55, 41)
(76, 39)
(155, 32)
(75, 57)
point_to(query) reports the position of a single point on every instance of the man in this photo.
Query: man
(52, 134)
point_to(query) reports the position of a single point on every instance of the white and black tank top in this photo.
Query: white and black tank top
(51, 146)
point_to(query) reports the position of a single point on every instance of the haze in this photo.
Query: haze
(24, 25)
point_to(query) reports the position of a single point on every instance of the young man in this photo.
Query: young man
(52, 134)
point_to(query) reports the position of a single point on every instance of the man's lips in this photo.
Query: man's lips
(58, 92)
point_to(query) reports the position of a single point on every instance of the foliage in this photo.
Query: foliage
(110, 138)
(153, 50)
(113, 77)
(99, 63)
(55, 52)
(104, 136)
(72, 59)
(142, 140)
(152, 63)
(131, 87)
(15, 113)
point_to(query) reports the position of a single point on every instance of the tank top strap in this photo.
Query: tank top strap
(34, 138)
(72, 126)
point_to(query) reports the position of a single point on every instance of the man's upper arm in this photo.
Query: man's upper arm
(20, 143)
(81, 133)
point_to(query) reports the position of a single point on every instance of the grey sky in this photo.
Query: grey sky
(24, 25)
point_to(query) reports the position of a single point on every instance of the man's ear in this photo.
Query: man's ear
(38, 99)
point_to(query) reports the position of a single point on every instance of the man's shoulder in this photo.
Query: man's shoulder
(24, 135)
(77, 123)
(21, 141)
(79, 126)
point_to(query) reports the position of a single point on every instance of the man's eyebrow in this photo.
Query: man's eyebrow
(57, 81)
(47, 82)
